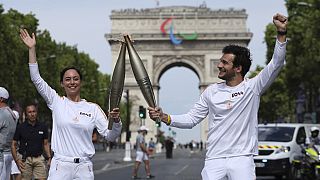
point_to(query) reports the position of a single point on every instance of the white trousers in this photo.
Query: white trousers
(141, 156)
(6, 167)
(232, 168)
(66, 170)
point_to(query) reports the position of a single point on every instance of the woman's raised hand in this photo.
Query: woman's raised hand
(29, 41)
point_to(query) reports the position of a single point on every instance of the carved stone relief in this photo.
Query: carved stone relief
(213, 67)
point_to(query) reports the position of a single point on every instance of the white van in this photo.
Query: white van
(279, 144)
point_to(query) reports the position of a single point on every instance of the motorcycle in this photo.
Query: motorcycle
(307, 166)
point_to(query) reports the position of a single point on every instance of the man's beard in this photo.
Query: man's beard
(228, 76)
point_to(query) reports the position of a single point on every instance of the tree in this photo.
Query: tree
(303, 51)
(52, 57)
(276, 105)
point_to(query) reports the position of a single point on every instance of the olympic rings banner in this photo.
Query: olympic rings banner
(173, 38)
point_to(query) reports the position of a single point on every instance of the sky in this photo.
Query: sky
(83, 23)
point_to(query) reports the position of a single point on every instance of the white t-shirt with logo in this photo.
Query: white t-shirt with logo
(232, 111)
(73, 122)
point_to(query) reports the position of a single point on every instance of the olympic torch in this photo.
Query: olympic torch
(117, 82)
(141, 74)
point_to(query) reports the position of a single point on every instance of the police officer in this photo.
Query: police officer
(314, 138)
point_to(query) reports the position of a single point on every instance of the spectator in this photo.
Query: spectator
(8, 122)
(32, 136)
(169, 147)
(142, 154)
(151, 146)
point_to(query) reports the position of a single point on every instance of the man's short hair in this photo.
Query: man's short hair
(242, 57)
(30, 104)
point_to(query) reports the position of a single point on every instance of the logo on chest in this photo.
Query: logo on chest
(85, 114)
(237, 94)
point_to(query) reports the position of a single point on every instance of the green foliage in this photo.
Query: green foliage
(13, 64)
(276, 104)
(303, 50)
(52, 57)
(302, 62)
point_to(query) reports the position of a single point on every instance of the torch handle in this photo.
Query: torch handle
(158, 120)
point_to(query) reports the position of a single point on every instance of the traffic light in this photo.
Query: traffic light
(142, 112)
(158, 124)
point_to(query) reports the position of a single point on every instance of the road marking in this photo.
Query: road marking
(104, 168)
(122, 166)
(108, 168)
(184, 167)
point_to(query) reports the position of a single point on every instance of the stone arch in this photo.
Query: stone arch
(171, 62)
(214, 29)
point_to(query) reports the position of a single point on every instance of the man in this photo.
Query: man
(169, 147)
(151, 146)
(7, 128)
(142, 153)
(33, 138)
(314, 138)
(232, 108)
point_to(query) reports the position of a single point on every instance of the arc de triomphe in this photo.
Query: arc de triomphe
(165, 37)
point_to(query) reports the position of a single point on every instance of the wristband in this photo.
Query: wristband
(282, 32)
(168, 120)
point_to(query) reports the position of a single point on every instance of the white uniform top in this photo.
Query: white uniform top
(232, 111)
(73, 122)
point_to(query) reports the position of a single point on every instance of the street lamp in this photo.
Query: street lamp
(127, 156)
(128, 117)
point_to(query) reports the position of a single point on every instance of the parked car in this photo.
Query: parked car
(279, 144)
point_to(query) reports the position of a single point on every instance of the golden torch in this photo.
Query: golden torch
(117, 82)
(140, 74)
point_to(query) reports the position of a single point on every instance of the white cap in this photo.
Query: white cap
(4, 93)
(143, 128)
(314, 129)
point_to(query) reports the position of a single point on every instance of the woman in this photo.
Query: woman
(73, 120)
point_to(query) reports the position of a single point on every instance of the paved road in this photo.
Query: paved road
(183, 166)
